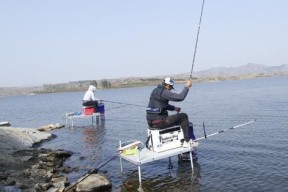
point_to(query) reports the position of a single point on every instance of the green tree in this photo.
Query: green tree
(105, 84)
(93, 82)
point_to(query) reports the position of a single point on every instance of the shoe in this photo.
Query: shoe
(194, 143)
(190, 143)
(186, 144)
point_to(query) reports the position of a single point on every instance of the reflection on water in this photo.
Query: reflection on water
(179, 177)
(196, 174)
(92, 134)
(89, 136)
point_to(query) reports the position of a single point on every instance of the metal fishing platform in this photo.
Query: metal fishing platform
(71, 118)
(161, 143)
(144, 155)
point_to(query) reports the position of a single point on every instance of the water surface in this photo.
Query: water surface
(250, 158)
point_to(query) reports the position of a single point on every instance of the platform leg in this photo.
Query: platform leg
(121, 165)
(140, 179)
(191, 160)
(170, 166)
(139, 174)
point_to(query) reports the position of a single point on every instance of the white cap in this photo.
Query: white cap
(169, 81)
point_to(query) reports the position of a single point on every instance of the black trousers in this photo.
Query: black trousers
(91, 103)
(172, 120)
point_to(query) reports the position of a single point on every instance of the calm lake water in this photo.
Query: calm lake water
(250, 158)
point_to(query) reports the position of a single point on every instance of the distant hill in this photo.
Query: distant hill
(11, 91)
(214, 74)
(244, 70)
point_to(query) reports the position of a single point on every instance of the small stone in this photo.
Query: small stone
(10, 181)
(3, 176)
(25, 158)
(35, 166)
(53, 189)
(59, 179)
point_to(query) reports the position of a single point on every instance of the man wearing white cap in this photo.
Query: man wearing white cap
(158, 107)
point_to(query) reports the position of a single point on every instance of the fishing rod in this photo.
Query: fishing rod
(123, 103)
(224, 130)
(92, 171)
(95, 171)
(197, 39)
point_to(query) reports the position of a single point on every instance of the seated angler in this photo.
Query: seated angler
(89, 98)
(158, 107)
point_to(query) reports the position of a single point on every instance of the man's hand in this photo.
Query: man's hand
(178, 109)
(189, 83)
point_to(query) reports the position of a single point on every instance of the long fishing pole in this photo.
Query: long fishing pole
(224, 130)
(93, 171)
(197, 39)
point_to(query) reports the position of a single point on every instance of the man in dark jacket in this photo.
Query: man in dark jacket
(158, 107)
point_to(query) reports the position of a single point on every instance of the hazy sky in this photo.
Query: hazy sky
(57, 41)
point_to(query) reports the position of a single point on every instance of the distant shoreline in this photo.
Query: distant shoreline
(121, 83)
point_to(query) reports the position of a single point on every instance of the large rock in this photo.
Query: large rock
(94, 182)
(5, 124)
(13, 139)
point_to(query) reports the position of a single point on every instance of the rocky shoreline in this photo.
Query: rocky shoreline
(23, 167)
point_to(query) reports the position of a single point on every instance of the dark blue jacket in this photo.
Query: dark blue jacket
(159, 102)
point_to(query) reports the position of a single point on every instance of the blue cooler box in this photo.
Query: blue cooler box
(101, 108)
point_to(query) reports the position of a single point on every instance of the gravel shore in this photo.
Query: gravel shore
(25, 168)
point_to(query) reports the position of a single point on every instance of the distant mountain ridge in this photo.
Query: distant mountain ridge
(249, 68)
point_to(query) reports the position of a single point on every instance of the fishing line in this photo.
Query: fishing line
(197, 39)
(124, 103)
(129, 121)
(115, 107)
